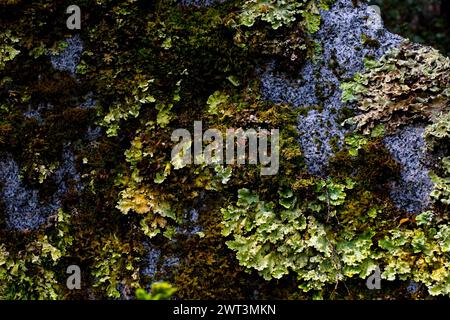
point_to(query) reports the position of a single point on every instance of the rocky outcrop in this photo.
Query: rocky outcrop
(348, 36)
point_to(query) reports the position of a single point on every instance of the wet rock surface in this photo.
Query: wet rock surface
(317, 85)
(23, 206)
(175, 254)
(341, 34)
(318, 82)
(412, 191)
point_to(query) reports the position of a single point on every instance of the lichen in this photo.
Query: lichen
(86, 145)
(69, 58)
(407, 84)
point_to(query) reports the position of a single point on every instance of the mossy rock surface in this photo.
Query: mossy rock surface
(87, 177)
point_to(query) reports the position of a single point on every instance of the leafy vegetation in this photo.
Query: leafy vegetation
(406, 85)
(153, 67)
(437, 135)
(421, 21)
(276, 239)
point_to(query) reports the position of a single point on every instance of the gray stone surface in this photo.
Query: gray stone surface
(190, 225)
(89, 101)
(152, 260)
(340, 37)
(35, 112)
(412, 191)
(93, 134)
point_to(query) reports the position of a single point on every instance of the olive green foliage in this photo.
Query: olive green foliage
(420, 255)
(438, 132)
(355, 142)
(282, 12)
(407, 84)
(278, 238)
(277, 12)
(294, 22)
(124, 110)
(107, 267)
(87, 231)
(143, 92)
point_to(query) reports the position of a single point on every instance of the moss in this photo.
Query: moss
(213, 272)
(409, 84)
(369, 42)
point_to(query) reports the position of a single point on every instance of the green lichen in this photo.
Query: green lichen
(7, 49)
(158, 291)
(189, 64)
(277, 13)
(276, 240)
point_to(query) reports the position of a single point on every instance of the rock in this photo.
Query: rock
(152, 260)
(318, 83)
